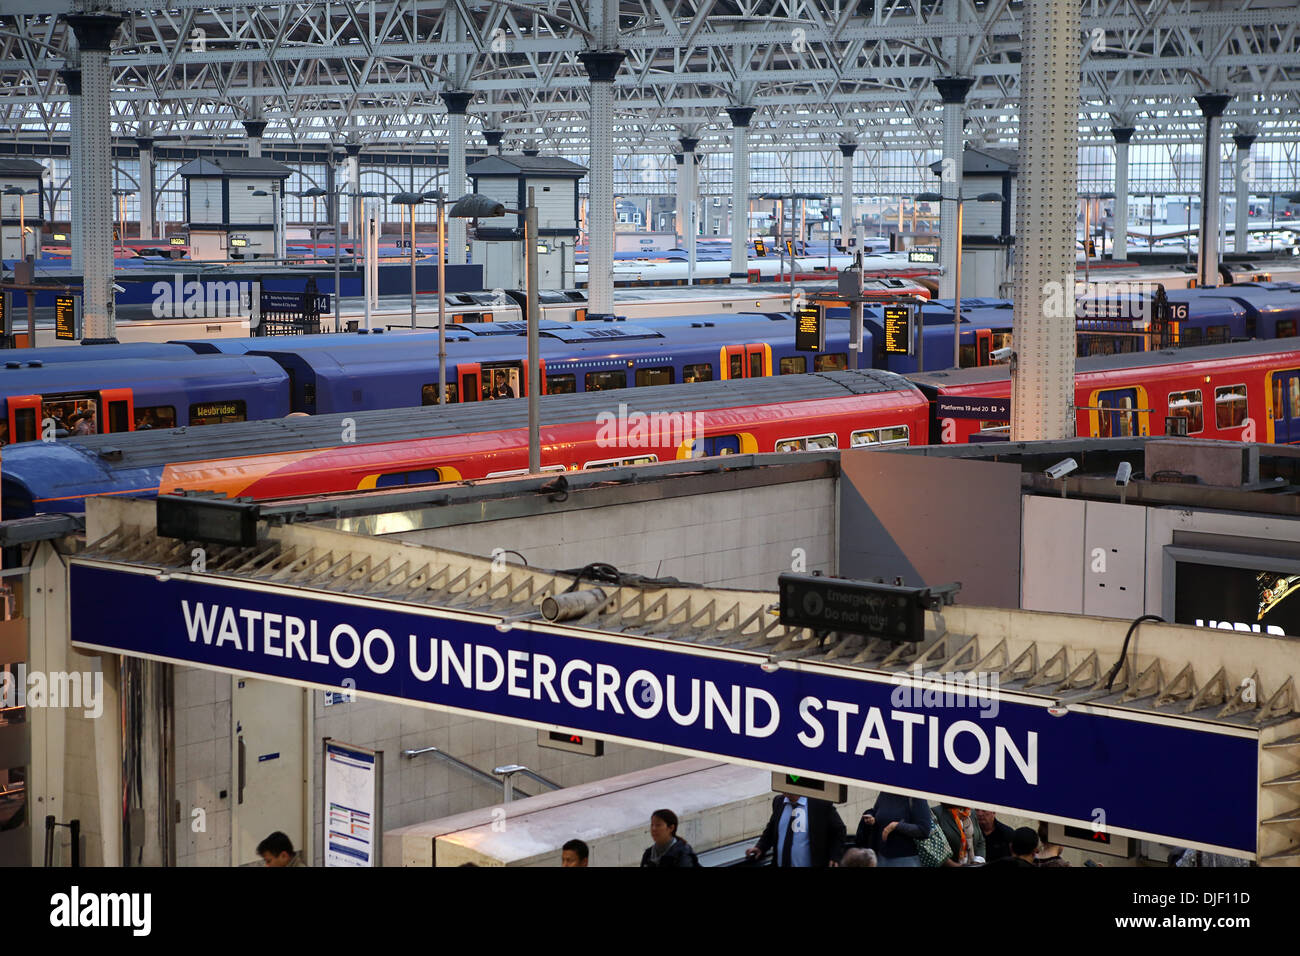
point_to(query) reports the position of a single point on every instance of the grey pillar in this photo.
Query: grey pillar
(353, 160)
(1212, 106)
(95, 40)
(1119, 241)
(254, 128)
(690, 176)
(493, 138)
(601, 66)
(145, 145)
(846, 192)
(1042, 396)
(1241, 219)
(456, 101)
(952, 90)
(679, 214)
(740, 117)
(76, 223)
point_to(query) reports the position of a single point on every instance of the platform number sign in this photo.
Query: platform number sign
(572, 742)
(1178, 311)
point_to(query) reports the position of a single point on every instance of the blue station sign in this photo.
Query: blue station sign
(1126, 770)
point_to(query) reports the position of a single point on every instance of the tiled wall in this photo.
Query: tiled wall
(203, 761)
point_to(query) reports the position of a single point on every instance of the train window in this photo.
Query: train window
(890, 435)
(500, 383)
(71, 415)
(561, 385)
(835, 362)
(155, 416)
(616, 462)
(25, 424)
(756, 364)
(968, 356)
(736, 365)
(1230, 406)
(603, 381)
(697, 373)
(794, 365)
(1293, 396)
(809, 443)
(1216, 334)
(661, 375)
(429, 393)
(1188, 405)
(216, 413)
(1189, 336)
(1286, 328)
(394, 479)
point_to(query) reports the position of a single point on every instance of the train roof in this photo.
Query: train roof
(1108, 363)
(57, 354)
(131, 373)
(144, 449)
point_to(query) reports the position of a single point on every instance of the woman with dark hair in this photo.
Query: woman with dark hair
(668, 849)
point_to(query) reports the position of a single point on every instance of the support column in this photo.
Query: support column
(679, 214)
(1212, 106)
(456, 102)
(952, 90)
(601, 66)
(690, 198)
(847, 216)
(740, 117)
(1241, 219)
(76, 223)
(353, 163)
(145, 145)
(493, 138)
(254, 128)
(1119, 239)
(1042, 376)
(95, 40)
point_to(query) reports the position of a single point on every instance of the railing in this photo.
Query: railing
(482, 776)
(507, 774)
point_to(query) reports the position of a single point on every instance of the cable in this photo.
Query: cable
(1123, 653)
(601, 573)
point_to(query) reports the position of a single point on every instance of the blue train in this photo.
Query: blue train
(54, 391)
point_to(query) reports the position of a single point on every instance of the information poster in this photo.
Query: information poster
(353, 805)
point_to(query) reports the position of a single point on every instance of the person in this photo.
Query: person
(892, 828)
(84, 422)
(997, 835)
(500, 388)
(859, 857)
(1024, 842)
(1049, 854)
(277, 850)
(668, 848)
(803, 832)
(964, 837)
(574, 853)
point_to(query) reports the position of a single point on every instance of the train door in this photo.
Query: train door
(983, 346)
(746, 361)
(23, 418)
(733, 361)
(501, 380)
(469, 376)
(118, 410)
(1286, 407)
(1118, 414)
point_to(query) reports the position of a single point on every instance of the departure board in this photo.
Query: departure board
(66, 314)
(760, 248)
(809, 330)
(898, 330)
(922, 255)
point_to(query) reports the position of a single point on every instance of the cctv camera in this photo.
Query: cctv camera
(1002, 355)
(1123, 473)
(1062, 468)
(118, 288)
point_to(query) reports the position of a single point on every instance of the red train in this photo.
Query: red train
(1246, 391)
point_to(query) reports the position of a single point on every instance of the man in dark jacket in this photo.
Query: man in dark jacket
(668, 849)
(997, 835)
(803, 832)
(893, 827)
(1023, 844)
